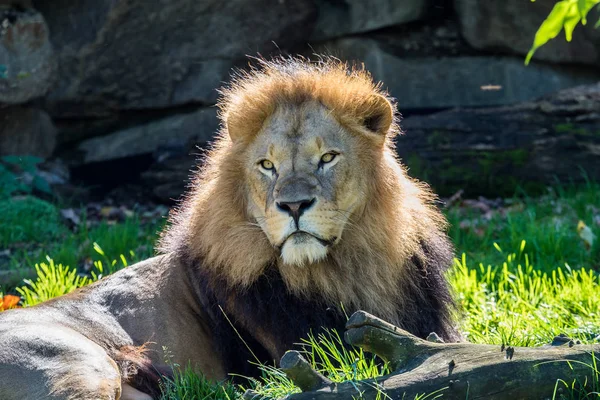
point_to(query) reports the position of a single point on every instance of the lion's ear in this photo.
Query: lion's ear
(241, 126)
(232, 129)
(380, 115)
(243, 123)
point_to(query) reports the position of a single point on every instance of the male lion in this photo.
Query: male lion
(300, 214)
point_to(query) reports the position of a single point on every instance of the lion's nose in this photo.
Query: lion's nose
(295, 208)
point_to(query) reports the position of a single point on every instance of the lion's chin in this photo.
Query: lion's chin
(301, 249)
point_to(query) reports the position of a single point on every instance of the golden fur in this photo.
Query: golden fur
(396, 215)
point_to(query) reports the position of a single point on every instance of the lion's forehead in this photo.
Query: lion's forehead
(299, 132)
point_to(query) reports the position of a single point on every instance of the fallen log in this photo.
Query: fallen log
(454, 370)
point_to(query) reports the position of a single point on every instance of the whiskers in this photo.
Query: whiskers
(344, 216)
(324, 223)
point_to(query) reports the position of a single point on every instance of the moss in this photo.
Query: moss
(563, 128)
(572, 129)
(438, 139)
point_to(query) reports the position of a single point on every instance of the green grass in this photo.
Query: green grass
(548, 224)
(515, 304)
(576, 390)
(522, 276)
(53, 279)
(29, 220)
(187, 385)
(327, 354)
(32, 229)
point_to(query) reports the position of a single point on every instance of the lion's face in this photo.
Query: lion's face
(305, 181)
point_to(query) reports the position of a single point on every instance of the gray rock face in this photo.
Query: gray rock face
(158, 54)
(498, 149)
(345, 17)
(511, 25)
(178, 132)
(26, 131)
(470, 81)
(26, 57)
(129, 78)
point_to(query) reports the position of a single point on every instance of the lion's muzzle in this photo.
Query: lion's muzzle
(296, 208)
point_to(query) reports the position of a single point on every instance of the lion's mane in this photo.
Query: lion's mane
(391, 258)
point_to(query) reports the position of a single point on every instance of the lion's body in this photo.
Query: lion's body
(300, 215)
(87, 341)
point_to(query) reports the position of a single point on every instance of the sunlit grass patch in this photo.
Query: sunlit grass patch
(327, 354)
(515, 304)
(54, 279)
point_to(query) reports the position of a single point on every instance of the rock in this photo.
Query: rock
(175, 134)
(27, 65)
(463, 81)
(346, 17)
(437, 38)
(26, 131)
(494, 151)
(168, 179)
(55, 172)
(71, 217)
(510, 25)
(131, 55)
(17, 3)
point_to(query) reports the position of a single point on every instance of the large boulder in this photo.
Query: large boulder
(461, 81)
(347, 17)
(27, 64)
(26, 131)
(127, 55)
(174, 134)
(510, 25)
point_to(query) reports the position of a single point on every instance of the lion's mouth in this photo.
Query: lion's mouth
(303, 236)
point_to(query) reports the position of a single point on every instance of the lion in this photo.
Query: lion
(299, 215)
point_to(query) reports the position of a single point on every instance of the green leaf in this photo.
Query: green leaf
(566, 14)
(582, 8)
(570, 22)
(550, 28)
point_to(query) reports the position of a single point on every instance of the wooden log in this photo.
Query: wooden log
(492, 151)
(456, 370)
(300, 371)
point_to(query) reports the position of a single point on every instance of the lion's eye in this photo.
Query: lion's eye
(268, 165)
(328, 157)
